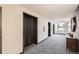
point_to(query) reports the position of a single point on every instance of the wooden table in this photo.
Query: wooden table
(72, 44)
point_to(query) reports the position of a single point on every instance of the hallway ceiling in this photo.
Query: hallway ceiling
(51, 11)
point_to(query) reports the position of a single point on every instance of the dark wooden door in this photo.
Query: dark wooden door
(29, 30)
(49, 29)
(25, 30)
(35, 30)
(53, 28)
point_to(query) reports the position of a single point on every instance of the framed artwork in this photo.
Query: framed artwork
(73, 24)
(43, 28)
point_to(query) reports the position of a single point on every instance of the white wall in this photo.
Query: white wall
(42, 35)
(77, 30)
(12, 28)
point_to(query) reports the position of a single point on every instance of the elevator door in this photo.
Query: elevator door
(25, 30)
(29, 30)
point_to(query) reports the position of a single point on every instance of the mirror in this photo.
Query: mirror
(73, 24)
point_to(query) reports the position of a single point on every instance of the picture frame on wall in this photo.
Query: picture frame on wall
(43, 28)
(73, 24)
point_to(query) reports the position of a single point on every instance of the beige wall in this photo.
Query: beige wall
(12, 28)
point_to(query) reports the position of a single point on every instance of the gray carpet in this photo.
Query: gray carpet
(55, 44)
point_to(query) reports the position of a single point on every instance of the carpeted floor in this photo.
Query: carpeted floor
(55, 44)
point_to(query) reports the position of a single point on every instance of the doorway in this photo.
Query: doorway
(53, 28)
(49, 29)
(29, 30)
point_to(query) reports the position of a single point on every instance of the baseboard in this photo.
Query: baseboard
(60, 33)
(43, 40)
(21, 52)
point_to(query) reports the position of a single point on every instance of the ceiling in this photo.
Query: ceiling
(52, 11)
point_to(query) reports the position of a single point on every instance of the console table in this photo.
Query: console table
(72, 44)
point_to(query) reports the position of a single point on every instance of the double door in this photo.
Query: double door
(29, 30)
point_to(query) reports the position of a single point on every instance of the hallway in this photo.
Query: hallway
(55, 44)
(26, 24)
